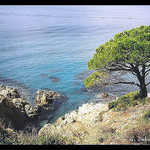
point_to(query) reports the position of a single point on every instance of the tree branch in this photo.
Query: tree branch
(132, 66)
(117, 69)
(121, 82)
(143, 71)
(147, 74)
(147, 71)
(147, 83)
(121, 65)
(133, 73)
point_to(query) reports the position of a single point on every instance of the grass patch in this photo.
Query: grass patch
(10, 137)
(139, 134)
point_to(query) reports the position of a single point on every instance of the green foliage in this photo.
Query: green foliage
(8, 140)
(125, 101)
(49, 139)
(131, 46)
(94, 78)
(46, 140)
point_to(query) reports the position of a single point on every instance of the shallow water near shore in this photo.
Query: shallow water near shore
(47, 47)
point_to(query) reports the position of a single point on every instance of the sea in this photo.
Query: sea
(48, 47)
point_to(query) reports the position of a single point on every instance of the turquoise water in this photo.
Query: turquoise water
(41, 42)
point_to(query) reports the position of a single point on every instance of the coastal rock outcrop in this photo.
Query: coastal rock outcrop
(14, 109)
(47, 98)
(18, 112)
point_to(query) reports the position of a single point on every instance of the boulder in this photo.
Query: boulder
(47, 98)
(32, 112)
(105, 94)
(10, 113)
(44, 97)
(14, 109)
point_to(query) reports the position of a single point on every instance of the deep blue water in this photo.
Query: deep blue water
(41, 42)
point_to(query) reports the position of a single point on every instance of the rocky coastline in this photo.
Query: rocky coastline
(87, 114)
(92, 123)
(16, 111)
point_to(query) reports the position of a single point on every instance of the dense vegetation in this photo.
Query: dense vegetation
(129, 51)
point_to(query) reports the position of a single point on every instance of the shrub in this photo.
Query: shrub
(121, 107)
(125, 101)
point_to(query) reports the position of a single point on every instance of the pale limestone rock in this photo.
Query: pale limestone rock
(87, 114)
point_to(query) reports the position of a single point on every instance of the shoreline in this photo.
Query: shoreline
(51, 117)
(48, 116)
(81, 124)
(19, 112)
(29, 95)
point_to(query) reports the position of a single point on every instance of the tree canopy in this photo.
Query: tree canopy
(128, 51)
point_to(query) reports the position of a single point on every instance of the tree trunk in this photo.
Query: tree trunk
(143, 91)
(141, 78)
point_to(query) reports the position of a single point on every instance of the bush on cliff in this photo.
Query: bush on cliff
(125, 101)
